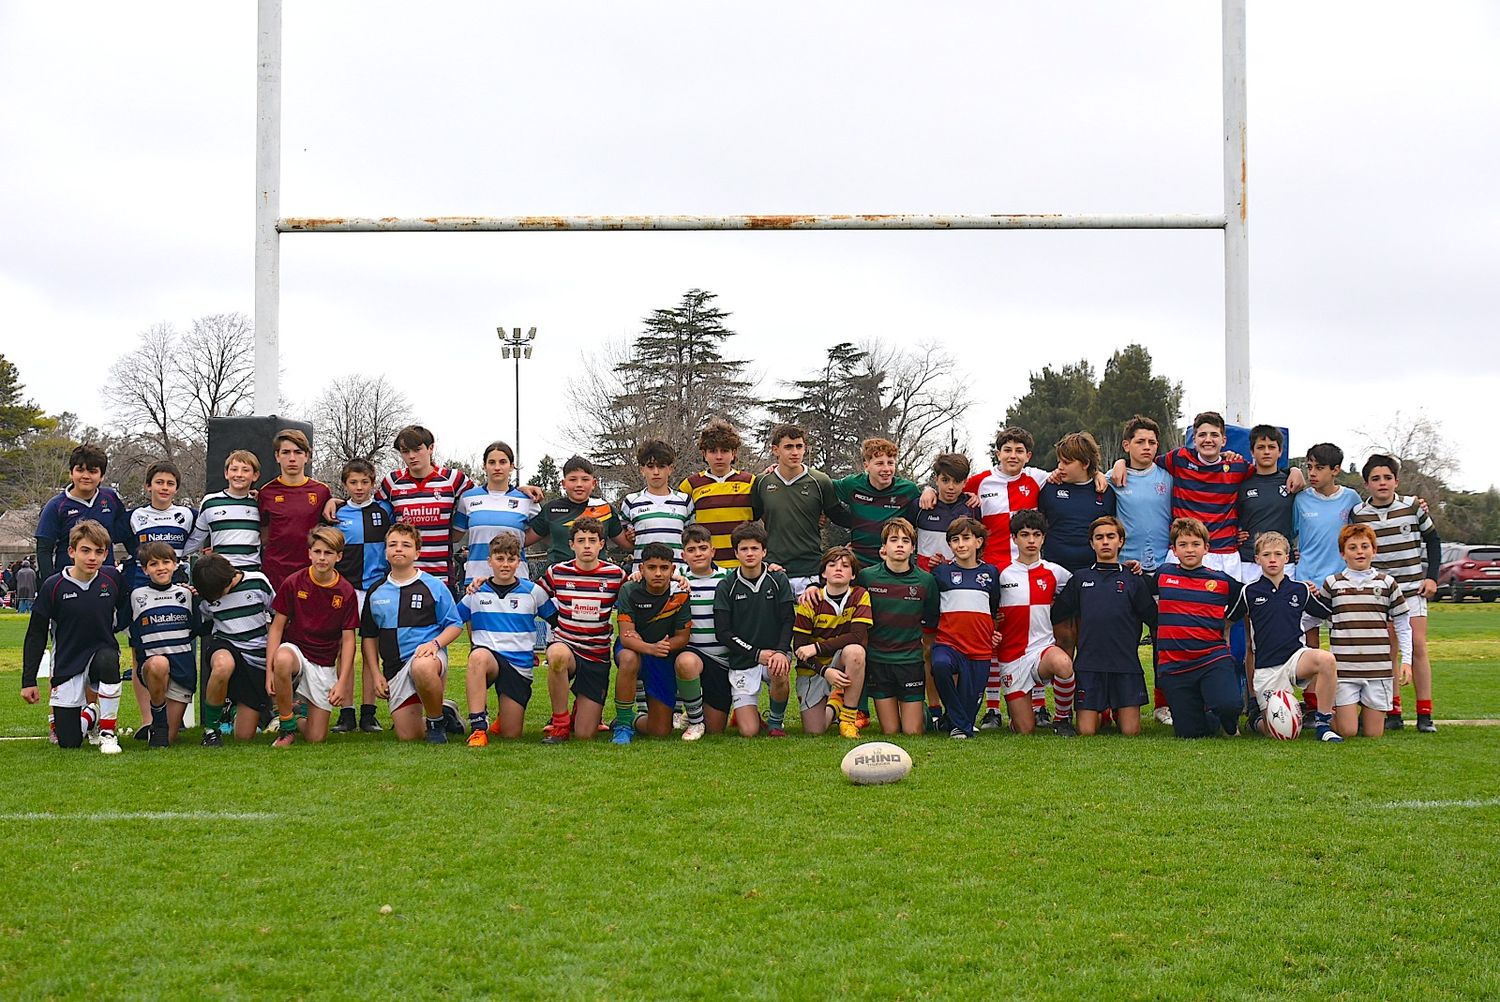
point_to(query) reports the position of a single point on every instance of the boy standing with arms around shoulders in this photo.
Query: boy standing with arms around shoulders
(364, 520)
(492, 509)
(1071, 503)
(950, 470)
(310, 647)
(1194, 602)
(720, 494)
(1403, 533)
(1112, 605)
(163, 622)
(875, 497)
(408, 622)
(502, 614)
(229, 520)
(584, 590)
(754, 611)
(1366, 604)
(655, 625)
(967, 633)
(830, 637)
(291, 506)
(656, 513)
(1265, 503)
(557, 517)
(904, 601)
(1143, 502)
(83, 500)
(85, 601)
(1274, 604)
(235, 605)
(792, 500)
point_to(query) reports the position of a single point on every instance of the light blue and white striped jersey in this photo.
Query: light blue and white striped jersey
(169, 525)
(485, 514)
(503, 620)
(162, 623)
(657, 518)
(1318, 521)
(705, 638)
(242, 616)
(1144, 507)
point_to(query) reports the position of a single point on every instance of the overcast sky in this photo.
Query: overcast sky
(127, 155)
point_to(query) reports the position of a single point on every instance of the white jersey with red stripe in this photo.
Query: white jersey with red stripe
(1026, 594)
(999, 495)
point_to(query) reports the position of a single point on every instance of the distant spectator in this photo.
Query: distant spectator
(25, 587)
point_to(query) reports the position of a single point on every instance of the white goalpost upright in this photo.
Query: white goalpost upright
(269, 225)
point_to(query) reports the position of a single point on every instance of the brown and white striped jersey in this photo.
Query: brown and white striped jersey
(1399, 548)
(1364, 604)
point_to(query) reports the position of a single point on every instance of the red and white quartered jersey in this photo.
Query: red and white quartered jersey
(428, 505)
(1026, 594)
(999, 495)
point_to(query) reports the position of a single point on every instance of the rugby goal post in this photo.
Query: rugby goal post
(269, 225)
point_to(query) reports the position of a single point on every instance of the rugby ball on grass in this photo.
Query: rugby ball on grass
(876, 762)
(1283, 717)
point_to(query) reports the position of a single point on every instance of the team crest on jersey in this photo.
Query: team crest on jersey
(1295, 602)
(958, 578)
(515, 603)
(1226, 467)
(279, 498)
(1120, 587)
(338, 601)
(1043, 584)
(179, 518)
(983, 579)
(911, 591)
(416, 601)
(1024, 491)
(302, 595)
(1161, 488)
(510, 502)
(1211, 585)
(312, 497)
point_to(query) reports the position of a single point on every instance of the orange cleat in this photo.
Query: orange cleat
(479, 739)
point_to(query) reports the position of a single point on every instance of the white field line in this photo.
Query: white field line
(141, 816)
(1423, 805)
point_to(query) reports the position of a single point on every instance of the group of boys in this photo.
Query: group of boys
(968, 595)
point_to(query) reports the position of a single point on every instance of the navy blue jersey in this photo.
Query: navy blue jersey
(87, 615)
(1192, 608)
(1275, 615)
(932, 528)
(405, 616)
(163, 622)
(170, 525)
(363, 562)
(1265, 506)
(1070, 510)
(64, 511)
(1112, 605)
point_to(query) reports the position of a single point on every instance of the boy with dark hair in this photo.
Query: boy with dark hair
(83, 500)
(875, 497)
(1071, 504)
(163, 622)
(501, 615)
(1112, 605)
(793, 499)
(904, 600)
(229, 520)
(490, 510)
(555, 521)
(364, 520)
(585, 590)
(656, 513)
(423, 495)
(1265, 504)
(1195, 604)
(408, 622)
(720, 494)
(655, 626)
(1029, 652)
(1318, 516)
(967, 634)
(1367, 606)
(291, 506)
(85, 602)
(310, 645)
(160, 520)
(1403, 532)
(703, 577)
(950, 470)
(754, 611)
(1143, 502)
(830, 637)
(235, 606)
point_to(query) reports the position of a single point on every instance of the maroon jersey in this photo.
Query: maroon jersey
(317, 615)
(288, 514)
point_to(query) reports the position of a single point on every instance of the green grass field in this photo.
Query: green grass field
(1001, 867)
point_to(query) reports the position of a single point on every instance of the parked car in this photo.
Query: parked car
(1475, 570)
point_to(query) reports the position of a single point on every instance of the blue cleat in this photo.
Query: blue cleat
(623, 734)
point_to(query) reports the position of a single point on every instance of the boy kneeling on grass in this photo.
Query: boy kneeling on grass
(236, 609)
(163, 622)
(502, 614)
(584, 590)
(830, 635)
(656, 624)
(754, 612)
(310, 648)
(409, 620)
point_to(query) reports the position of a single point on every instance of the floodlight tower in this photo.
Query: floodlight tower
(517, 346)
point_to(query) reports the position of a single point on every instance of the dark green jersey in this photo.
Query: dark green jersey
(902, 605)
(557, 517)
(870, 509)
(793, 513)
(656, 617)
(754, 616)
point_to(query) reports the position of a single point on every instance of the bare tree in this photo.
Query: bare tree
(145, 391)
(925, 396)
(1427, 458)
(357, 417)
(216, 363)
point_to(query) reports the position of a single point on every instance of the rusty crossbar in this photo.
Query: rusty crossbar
(883, 221)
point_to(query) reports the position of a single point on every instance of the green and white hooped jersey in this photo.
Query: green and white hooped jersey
(705, 639)
(242, 616)
(229, 526)
(657, 518)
